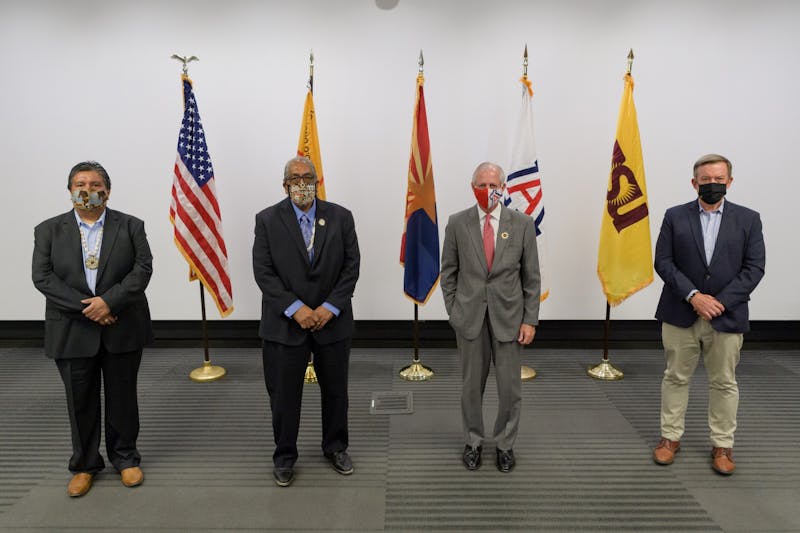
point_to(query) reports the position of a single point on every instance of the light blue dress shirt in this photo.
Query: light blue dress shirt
(91, 232)
(709, 224)
(709, 221)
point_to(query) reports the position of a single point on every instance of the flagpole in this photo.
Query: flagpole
(416, 371)
(527, 373)
(605, 370)
(207, 372)
(311, 374)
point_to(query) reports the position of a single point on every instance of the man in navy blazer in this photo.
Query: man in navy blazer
(710, 254)
(93, 265)
(306, 262)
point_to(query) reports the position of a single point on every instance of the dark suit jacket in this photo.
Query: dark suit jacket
(735, 269)
(285, 274)
(509, 293)
(122, 276)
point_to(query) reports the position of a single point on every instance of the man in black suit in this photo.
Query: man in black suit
(710, 254)
(306, 262)
(93, 265)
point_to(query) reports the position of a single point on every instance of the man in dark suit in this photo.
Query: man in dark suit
(306, 262)
(490, 283)
(93, 265)
(710, 254)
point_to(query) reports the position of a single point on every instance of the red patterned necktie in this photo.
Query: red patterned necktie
(488, 241)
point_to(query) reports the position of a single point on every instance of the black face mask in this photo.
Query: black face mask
(711, 193)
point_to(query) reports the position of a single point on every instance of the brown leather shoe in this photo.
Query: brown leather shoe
(79, 484)
(722, 460)
(133, 476)
(664, 453)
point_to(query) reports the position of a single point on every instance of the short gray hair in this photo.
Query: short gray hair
(299, 159)
(709, 159)
(489, 165)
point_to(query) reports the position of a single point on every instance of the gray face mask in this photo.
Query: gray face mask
(302, 194)
(88, 200)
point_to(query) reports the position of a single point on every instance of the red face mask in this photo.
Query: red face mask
(487, 198)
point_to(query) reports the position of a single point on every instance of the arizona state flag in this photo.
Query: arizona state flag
(625, 258)
(419, 250)
(308, 145)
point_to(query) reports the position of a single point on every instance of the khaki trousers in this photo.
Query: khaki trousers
(682, 349)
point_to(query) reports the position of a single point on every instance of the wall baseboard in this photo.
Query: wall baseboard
(551, 334)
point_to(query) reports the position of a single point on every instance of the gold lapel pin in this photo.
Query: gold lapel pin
(321, 222)
(504, 235)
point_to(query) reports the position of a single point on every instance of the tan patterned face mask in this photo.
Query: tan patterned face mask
(88, 200)
(302, 194)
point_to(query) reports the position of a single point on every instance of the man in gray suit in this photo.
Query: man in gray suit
(710, 254)
(306, 262)
(490, 282)
(93, 265)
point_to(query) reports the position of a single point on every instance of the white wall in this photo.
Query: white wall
(93, 80)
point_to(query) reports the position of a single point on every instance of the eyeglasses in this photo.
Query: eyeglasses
(296, 179)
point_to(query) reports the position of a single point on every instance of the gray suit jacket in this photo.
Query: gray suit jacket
(733, 273)
(509, 293)
(122, 276)
(284, 273)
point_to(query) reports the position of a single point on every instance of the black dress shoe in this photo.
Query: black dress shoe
(505, 460)
(283, 476)
(341, 462)
(472, 457)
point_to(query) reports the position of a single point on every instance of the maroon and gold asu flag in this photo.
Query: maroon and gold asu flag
(194, 210)
(625, 258)
(419, 249)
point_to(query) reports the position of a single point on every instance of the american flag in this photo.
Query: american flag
(194, 210)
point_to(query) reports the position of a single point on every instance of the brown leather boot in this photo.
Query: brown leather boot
(664, 453)
(722, 460)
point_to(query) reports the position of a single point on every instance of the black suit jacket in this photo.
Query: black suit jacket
(285, 274)
(122, 276)
(733, 273)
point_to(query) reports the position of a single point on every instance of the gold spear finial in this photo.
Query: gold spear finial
(185, 61)
(630, 61)
(421, 61)
(525, 63)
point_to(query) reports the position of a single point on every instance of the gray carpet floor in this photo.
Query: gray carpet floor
(583, 452)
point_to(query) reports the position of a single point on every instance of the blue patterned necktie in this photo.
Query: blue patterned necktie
(307, 229)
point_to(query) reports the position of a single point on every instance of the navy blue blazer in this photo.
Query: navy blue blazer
(284, 273)
(733, 273)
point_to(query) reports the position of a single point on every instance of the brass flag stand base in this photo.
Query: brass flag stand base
(207, 372)
(606, 370)
(527, 373)
(311, 374)
(416, 371)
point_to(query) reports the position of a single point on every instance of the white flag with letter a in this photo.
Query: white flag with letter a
(524, 184)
